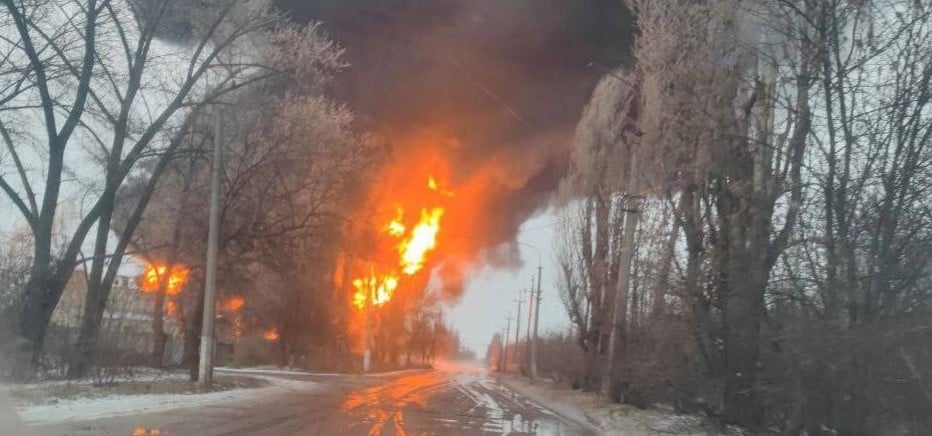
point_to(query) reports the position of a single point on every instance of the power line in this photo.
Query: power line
(550, 224)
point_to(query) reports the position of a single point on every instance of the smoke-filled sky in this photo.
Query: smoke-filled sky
(506, 78)
(495, 87)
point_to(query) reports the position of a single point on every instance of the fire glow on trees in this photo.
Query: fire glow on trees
(156, 274)
(271, 335)
(413, 244)
(234, 304)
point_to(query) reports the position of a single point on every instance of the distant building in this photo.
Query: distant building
(126, 329)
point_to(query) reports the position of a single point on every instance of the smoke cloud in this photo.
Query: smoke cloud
(495, 87)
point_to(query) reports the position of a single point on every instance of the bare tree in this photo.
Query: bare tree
(106, 88)
(591, 254)
(292, 168)
(783, 150)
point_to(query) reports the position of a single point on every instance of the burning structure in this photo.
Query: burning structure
(473, 106)
(476, 101)
(480, 95)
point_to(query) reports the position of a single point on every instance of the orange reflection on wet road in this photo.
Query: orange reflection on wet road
(384, 403)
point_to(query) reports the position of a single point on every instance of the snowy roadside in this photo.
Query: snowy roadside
(610, 418)
(137, 374)
(295, 372)
(120, 405)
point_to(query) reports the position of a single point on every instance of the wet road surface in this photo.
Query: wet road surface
(451, 400)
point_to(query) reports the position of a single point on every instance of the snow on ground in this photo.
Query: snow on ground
(610, 418)
(136, 375)
(266, 370)
(120, 405)
(297, 372)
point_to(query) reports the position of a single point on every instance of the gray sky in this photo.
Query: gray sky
(490, 293)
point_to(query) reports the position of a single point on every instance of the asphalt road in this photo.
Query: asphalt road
(450, 400)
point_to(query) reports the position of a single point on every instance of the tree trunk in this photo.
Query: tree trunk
(744, 302)
(663, 281)
(98, 292)
(85, 352)
(192, 337)
(747, 227)
(159, 337)
(43, 291)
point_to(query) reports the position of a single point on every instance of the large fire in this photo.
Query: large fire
(157, 274)
(422, 239)
(413, 244)
(377, 290)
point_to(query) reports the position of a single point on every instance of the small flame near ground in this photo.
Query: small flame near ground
(271, 335)
(234, 304)
(171, 308)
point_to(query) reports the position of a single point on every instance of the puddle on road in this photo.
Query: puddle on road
(467, 403)
(508, 414)
(518, 424)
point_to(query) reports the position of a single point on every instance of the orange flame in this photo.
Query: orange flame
(433, 186)
(175, 278)
(271, 335)
(375, 291)
(171, 308)
(414, 244)
(234, 304)
(395, 227)
(423, 238)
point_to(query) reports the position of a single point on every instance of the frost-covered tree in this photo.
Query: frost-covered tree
(88, 92)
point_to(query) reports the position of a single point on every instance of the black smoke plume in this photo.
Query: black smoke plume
(507, 78)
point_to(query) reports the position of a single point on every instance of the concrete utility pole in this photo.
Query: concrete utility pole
(366, 353)
(527, 340)
(620, 312)
(533, 345)
(367, 323)
(205, 373)
(536, 321)
(507, 333)
(501, 350)
(517, 352)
